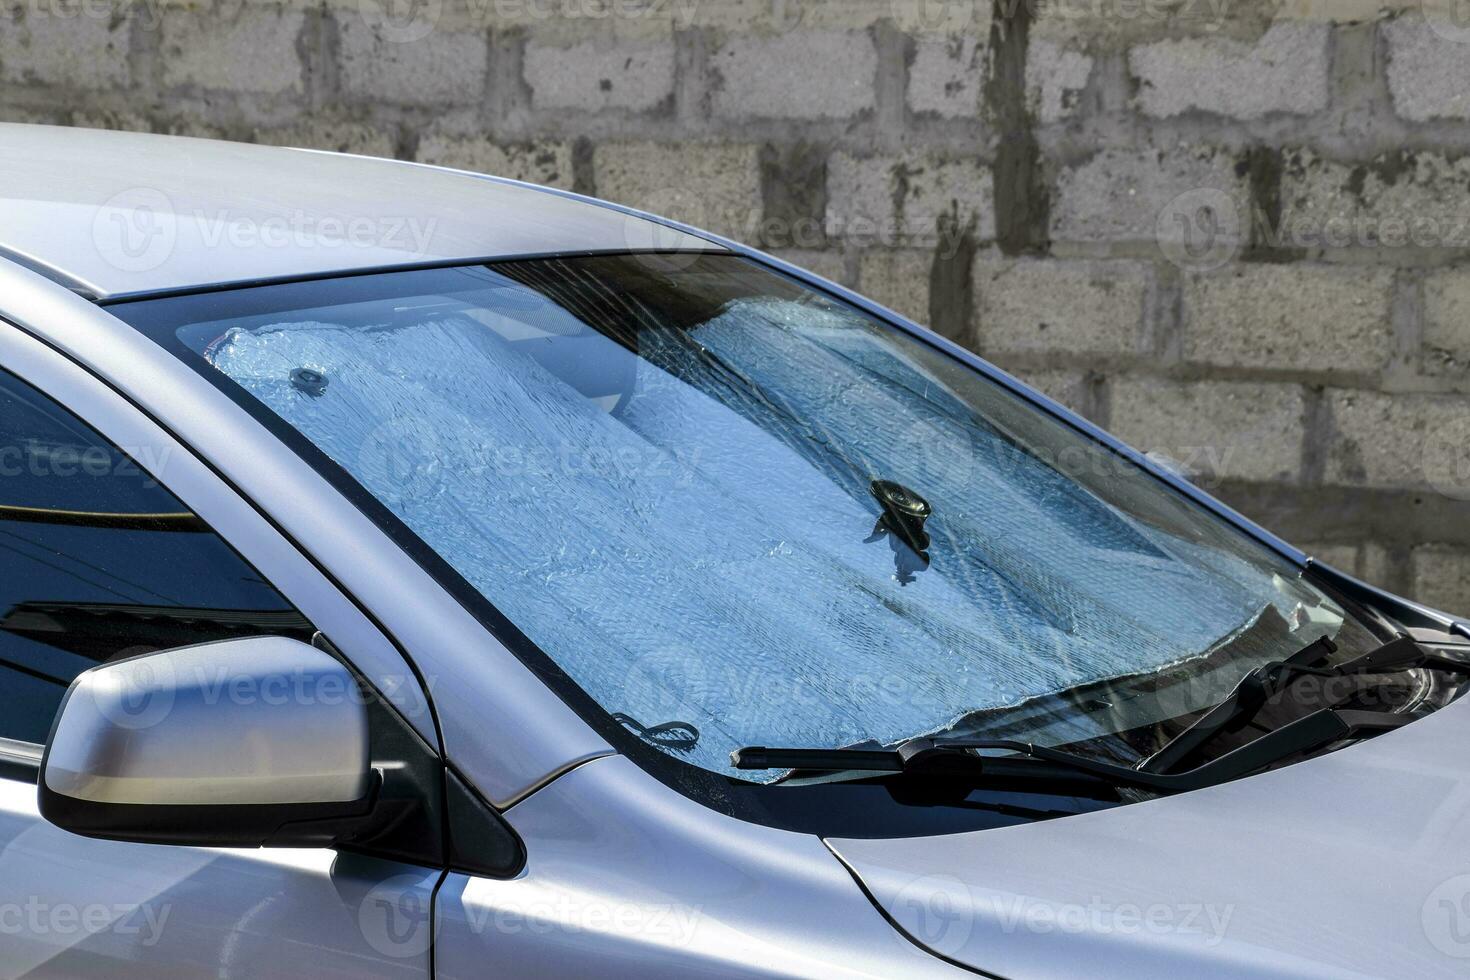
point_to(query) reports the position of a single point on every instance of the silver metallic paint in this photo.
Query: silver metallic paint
(1329, 867)
(72, 908)
(628, 878)
(123, 213)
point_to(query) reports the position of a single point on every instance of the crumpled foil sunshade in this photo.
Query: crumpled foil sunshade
(692, 546)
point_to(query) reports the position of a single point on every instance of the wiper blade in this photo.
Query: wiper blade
(1257, 687)
(958, 759)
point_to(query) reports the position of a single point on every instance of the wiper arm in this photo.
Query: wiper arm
(957, 758)
(1254, 689)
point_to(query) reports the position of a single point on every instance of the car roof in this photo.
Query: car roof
(114, 214)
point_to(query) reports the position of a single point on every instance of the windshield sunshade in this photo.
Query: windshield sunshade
(714, 497)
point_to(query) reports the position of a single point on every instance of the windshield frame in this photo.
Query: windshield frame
(800, 808)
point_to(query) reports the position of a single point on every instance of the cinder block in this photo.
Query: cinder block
(251, 49)
(444, 67)
(709, 185)
(1148, 194)
(1400, 440)
(1447, 321)
(548, 162)
(1368, 561)
(1441, 577)
(1397, 200)
(827, 264)
(1429, 66)
(899, 279)
(1217, 430)
(597, 75)
(62, 46)
(1066, 307)
(341, 137)
(901, 200)
(1069, 388)
(1286, 70)
(794, 75)
(946, 75)
(1300, 317)
(1056, 74)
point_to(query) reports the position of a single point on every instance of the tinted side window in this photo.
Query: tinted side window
(98, 562)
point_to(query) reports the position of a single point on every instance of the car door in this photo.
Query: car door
(114, 541)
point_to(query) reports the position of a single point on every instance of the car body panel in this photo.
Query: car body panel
(628, 878)
(76, 908)
(1347, 864)
(120, 213)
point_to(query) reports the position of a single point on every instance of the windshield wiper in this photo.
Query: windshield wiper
(1258, 686)
(957, 758)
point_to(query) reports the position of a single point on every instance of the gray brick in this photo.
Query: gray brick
(252, 50)
(1428, 70)
(1441, 577)
(710, 185)
(795, 75)
(548, 162)
(104, 119)
(1055, 77)
(341, 137)
(1308, 318)
(596, 75)
(1069, 388)
(1285, 71)
(946, 74)
(1410, 441)
(900, 200)
(1135, 194)
(1216, 429)
(444, 67)
(1398, 200)
(1068, 307)
(827, 264)
(899, 279)
(1447, 321)
(62, 48)
(1368, 562)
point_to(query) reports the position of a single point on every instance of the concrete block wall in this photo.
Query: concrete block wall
(1237, 232)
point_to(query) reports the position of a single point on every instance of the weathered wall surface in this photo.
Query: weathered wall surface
(1234, 231)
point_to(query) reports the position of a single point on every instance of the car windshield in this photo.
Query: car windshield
(738, 511)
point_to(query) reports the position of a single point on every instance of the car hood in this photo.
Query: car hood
(1355, 863)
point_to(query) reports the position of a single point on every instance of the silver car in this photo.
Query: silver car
(410, 573)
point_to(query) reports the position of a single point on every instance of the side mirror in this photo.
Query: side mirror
(252, 742)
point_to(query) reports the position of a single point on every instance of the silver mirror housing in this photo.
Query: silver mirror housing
(252, 741)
